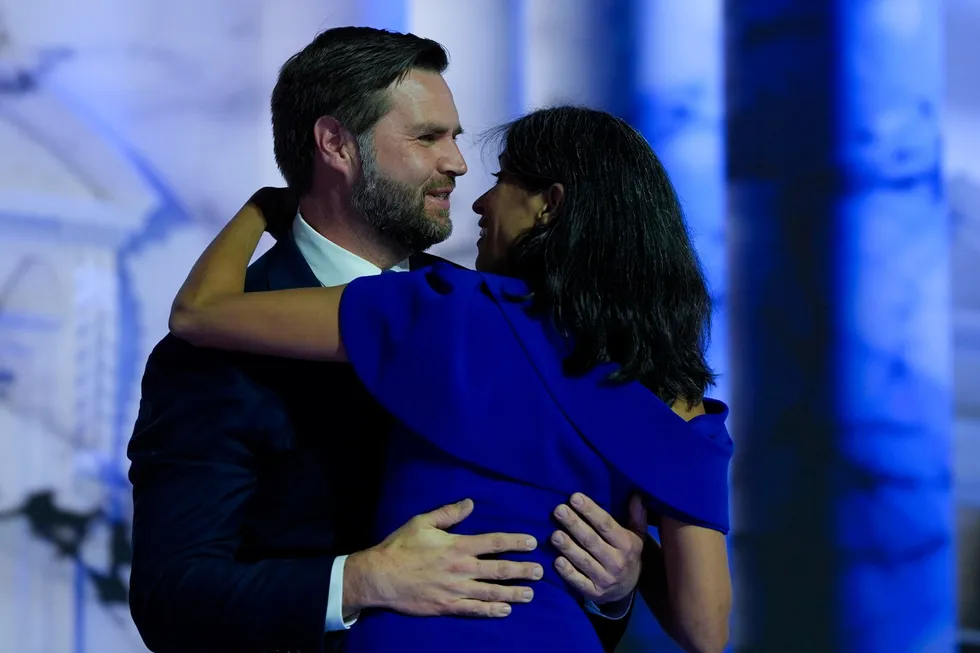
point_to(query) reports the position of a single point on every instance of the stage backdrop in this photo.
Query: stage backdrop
(130, 131)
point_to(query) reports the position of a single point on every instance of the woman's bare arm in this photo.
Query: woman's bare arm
(699, 585)
(686, 580)
(213, 310)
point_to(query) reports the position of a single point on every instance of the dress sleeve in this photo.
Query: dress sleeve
(414, 328)
(452, 363)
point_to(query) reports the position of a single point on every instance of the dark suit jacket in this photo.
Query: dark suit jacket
(250, 474)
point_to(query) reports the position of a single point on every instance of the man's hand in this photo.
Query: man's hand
(421, 570)
(601, 559)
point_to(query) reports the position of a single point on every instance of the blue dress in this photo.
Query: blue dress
(485, 412)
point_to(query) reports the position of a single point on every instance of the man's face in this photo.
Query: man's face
(409, 163)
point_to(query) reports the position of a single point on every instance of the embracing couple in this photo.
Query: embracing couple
(328, 458)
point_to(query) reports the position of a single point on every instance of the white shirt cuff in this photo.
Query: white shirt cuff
(613, 611)
(335, 599)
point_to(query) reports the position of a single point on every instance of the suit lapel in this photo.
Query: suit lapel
(286, 268)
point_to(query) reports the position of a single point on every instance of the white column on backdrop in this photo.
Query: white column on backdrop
(115, 85)
(575, 54)
(484, 75)
(679, 108)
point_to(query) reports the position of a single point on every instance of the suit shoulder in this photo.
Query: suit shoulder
(173, 354)
(192, 398)
(178, 369)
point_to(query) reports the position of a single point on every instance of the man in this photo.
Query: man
(253, 498)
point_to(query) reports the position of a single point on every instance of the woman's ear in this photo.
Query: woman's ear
(554, 195)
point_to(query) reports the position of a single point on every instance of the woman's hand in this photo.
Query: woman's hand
(278, 206)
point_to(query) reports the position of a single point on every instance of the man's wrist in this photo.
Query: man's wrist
(361, 587)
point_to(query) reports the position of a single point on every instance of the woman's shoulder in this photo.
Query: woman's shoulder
(438, 301)
(453, 286)
(710, 425)
(464, 279)
(451, 276)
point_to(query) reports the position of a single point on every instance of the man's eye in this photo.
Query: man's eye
(429, 138)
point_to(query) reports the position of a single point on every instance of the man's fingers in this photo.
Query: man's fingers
(497, 593)
(576, 579)
(601, 521)
(491, 543)
(638, 516)
(507, 570)
(581, 560)
(586, 536)
(448, 515)
(472, 608)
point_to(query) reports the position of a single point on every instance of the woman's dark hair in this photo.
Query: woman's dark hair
(615, 266)
(344, 73)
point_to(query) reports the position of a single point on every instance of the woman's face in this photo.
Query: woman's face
(506, 211)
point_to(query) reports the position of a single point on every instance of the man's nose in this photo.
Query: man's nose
(453, 163)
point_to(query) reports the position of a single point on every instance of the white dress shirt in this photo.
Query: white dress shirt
(333, 265)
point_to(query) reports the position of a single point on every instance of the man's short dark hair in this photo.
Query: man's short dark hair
(344, 73)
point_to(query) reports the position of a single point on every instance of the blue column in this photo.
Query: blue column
(679, 105)
(839, 321)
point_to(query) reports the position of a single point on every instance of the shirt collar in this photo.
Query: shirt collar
(332, 264)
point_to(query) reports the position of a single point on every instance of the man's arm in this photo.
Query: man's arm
(601, 559)
(422, 570)
(653, 585)
(194, 463)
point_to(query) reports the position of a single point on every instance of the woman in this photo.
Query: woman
(584, 326)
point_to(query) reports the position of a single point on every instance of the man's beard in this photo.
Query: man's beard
(395, 209)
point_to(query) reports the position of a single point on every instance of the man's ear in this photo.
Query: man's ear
(335, 146)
